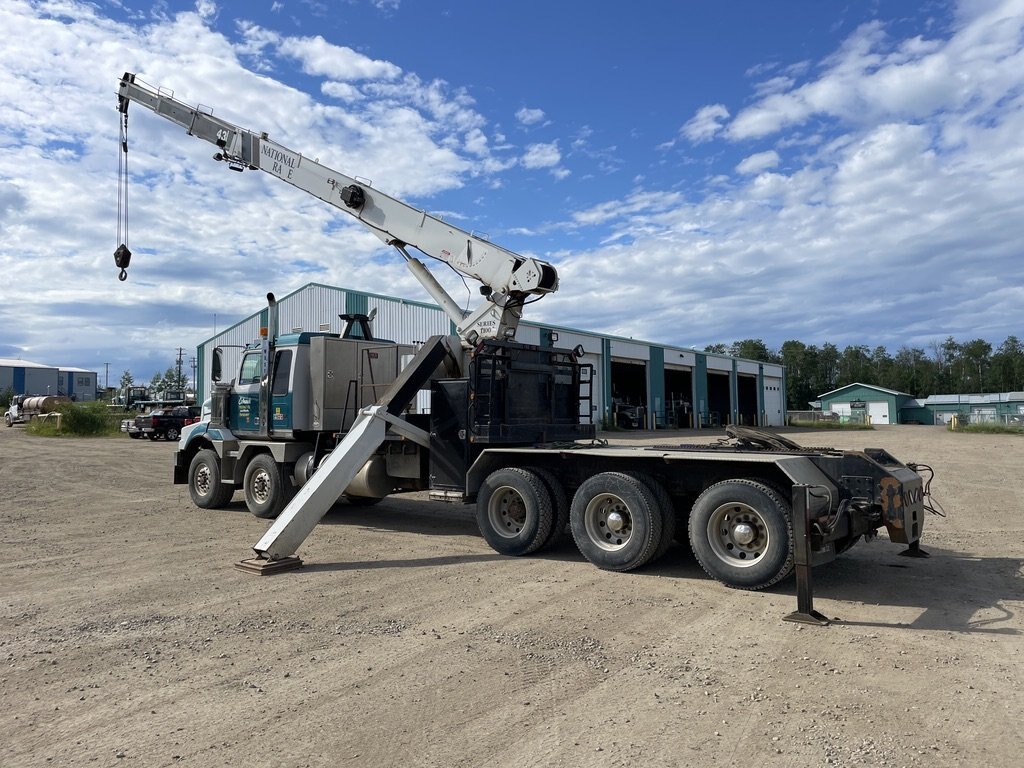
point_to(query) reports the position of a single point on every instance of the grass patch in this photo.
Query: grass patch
(989, 429)
(829, 425)
(79, 420)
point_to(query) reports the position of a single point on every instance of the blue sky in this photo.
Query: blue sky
(698, 172)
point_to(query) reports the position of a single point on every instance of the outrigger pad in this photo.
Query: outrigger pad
(914, 550)
(263, 567)
(808, 617)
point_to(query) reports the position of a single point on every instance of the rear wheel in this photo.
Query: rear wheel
(559, 506)
(741, 533)
(514, 511)
(172, 433)
(668, 512)
(268, 486)
(616, 522)
(205, 484)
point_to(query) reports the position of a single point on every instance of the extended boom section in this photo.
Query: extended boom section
(508, 279)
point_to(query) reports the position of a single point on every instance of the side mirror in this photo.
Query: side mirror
(217, 364)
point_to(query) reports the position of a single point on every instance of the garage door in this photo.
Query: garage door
(773, 402)
(879, 413)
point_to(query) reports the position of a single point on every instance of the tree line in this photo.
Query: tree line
(946, 367)
(171, 379)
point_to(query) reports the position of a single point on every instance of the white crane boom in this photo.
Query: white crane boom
(507, 279)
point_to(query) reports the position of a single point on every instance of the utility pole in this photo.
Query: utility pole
(192, 362)
(181, 353)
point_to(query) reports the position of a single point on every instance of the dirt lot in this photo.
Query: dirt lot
(129, 639)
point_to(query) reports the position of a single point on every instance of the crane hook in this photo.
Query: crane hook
(122, 258)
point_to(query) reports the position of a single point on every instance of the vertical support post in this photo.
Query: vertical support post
(804, 613)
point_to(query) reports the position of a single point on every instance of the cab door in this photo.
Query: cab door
(245, 395)
(281, 396)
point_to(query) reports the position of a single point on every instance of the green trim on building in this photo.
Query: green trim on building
(606, 380)
(656, 379)
(700, 388)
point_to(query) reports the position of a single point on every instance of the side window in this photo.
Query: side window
(282, 372)
(250, 369)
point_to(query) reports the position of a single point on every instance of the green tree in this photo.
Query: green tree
(827, 375)
(855, 366)
(126, 380)
(1008, 366)
(753, 349)
(976, 359)
(801, 364)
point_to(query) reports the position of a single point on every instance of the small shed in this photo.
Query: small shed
(865, 403)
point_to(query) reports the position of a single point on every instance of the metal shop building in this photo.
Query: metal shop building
(865, 403)
(993, 408)
(861, 402)
(28, 378)
(635, 383)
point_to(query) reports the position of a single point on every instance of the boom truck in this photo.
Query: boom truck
(310, 418)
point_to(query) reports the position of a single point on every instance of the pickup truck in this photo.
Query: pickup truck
(166, 422)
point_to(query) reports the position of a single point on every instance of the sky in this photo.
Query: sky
(697, 172)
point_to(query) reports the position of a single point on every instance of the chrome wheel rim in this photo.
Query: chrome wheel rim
(203, 480)
(738, 535)
(608, 522)
(261, 487)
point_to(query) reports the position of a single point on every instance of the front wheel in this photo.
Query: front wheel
(514, 511)
(741, 533)
(205, 484)
(8, 420)
(616, 521)
(268, 486)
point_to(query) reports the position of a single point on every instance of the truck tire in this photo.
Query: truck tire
(8, 420)
(741, 533)
(616, 521)
(268, 486)
(171, 433)
(205, 484)
(559, 506)
(514, 511)
(668, 512)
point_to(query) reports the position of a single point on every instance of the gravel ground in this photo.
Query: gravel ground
(129, 638)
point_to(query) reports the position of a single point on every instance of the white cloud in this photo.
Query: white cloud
(527, 116)
(338, 62)
(706, 124)
(760, 161)
(207, 9)
(542, 155)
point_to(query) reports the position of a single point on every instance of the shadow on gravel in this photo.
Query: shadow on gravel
(419, 562)
(953, 592)
(949, 591)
